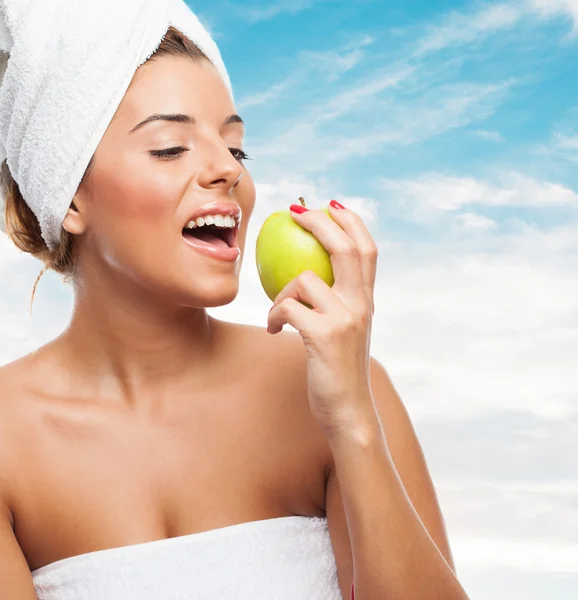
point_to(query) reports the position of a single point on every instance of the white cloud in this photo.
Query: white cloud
(353, 98)
(501, 456)
(506, 479)
(568, 142)
(489, 136)
(17, 274)
(466, 328)
(551, 557)
(310, 149)
(503, 583)
(329, 65)
(425, 197)
(437, 192)
(460, 28)
(473, 221)
(564, 146)
(274, 92)
(270, 10)
(550, 8)
(496, 305)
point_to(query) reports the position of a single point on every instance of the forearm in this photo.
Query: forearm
(394, 557)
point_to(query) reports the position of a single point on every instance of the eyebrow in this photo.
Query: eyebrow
(180, 118)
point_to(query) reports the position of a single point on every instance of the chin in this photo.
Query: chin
(217, 295)
(220, 299)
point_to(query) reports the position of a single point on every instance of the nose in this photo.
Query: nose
(220, 167)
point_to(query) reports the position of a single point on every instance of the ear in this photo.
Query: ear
(74, 221)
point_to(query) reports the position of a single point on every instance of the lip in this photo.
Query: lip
(219, 252)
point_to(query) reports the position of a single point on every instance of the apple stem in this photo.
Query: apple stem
(302, 200)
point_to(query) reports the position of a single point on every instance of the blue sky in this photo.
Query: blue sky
(452, 129)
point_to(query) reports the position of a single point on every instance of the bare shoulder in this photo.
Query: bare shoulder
(18, 387)
(277, 362)
(19, 370)
(13, 382)
(287, 340)
(16, 379)
(281, 356)
(280, 363)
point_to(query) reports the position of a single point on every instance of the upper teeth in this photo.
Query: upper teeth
(218, 220)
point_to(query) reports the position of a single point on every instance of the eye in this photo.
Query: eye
(172, 153)
(239, 154)
(169, 153)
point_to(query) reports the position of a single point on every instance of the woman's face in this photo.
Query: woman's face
(135, 203)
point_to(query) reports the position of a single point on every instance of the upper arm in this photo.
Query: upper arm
(337, 524)
(411, 466)
(15, 578)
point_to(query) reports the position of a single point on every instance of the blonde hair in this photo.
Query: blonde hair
(21, 224)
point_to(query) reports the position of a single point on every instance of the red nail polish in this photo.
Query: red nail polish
(298, 208)
(352, 593)
(336, 204)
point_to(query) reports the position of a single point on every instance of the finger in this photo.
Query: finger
(354, 226)
(292, 312)
(342, 249)
(308, 287)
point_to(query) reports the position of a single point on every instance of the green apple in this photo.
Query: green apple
(285, 249)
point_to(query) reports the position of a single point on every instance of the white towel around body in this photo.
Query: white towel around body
(285, 558)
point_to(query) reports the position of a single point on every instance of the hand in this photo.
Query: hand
(336, 331)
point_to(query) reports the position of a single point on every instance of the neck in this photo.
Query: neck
(131, 349)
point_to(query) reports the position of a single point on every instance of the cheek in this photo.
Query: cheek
(135, 195)
(133, 216)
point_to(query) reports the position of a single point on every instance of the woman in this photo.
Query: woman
(152, 451)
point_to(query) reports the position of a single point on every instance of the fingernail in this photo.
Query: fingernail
(352, 593)
(336, 204)
(298, 208)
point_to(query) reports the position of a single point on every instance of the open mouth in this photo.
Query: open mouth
(214, 235)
